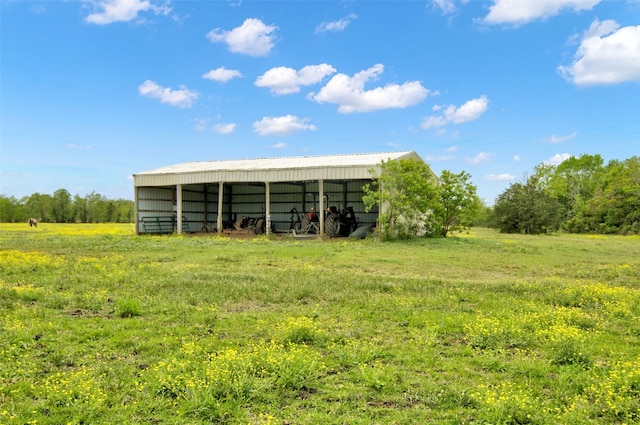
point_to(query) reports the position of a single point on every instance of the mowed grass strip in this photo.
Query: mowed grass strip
(101, 326)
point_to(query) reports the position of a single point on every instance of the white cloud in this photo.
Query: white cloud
(77, 147)
(516, 158)
(500, 177)
(557, 158)
(439, 158)
(200, 123)
(124, 10)
(561, 139)
(452, 149)
(336, 26)
(607, 54)
(448, 6)
(252, 38)
(227, 128)
(280, 145)
(519, 12)
(283, 80)
(222, 74)
(480, 158)
(281, 126)
(349, 92)
(182, 98)
(469, 111)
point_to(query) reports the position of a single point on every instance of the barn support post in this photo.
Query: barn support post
(137, 210)
(322, 207)
(179, 208)
(206, 202)
(382, 209)
(220, 202)
(267, 207)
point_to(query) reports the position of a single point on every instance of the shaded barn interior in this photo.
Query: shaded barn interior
(209, 195)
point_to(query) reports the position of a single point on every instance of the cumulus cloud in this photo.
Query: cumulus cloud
(181, 98)
(349, 93)
(252, 38)
(124, 10)
(469, 111)
(281, 126)
(607, 54)
(557, 159)
(561, 139)
(222, 74)
(480, 158)
(226, 128)
(282, 80)
(500, 177)
(336, 26)
(519, 12)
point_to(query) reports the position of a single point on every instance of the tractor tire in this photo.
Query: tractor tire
(332, 226)
(260, 226)
(305, 225)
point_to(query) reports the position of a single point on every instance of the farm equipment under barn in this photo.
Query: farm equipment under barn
(257, 225)
(340, 223)
(336, 223)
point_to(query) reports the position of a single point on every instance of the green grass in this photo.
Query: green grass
(101, 326)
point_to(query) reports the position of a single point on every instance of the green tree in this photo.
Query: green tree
(574, 181)
(11, 210)
(527, 208)
(79, 209)
(39, 206)
(406, 193)
(62, 207)
(615, 205)
(460, 202)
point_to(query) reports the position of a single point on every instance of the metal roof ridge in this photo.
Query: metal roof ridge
(298, 157)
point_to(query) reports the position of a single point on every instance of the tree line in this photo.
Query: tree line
(580, 195)
(61, 207)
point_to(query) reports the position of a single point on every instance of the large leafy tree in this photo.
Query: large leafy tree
(11, 210)
(406, 191)
(39, 206)
(62, 206)
(527, 208)
(460, 202)
(574, 181)
(615, 205)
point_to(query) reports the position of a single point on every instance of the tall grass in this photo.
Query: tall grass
(101, 326)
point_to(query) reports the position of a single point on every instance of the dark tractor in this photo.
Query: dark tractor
(257, 225)
(340, 223)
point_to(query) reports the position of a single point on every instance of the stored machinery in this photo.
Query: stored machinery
(257, 225)
(336, 222)
(340, 223)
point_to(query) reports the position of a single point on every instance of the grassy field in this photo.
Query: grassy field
(99, 326)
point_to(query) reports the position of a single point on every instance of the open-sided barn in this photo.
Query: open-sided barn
(218, 194)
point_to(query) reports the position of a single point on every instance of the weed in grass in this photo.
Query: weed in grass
(129, 308)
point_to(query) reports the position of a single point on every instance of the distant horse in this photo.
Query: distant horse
(33, 222)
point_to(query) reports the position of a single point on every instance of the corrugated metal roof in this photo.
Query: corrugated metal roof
(282, 163)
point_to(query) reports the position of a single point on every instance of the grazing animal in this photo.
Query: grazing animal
(33, 222)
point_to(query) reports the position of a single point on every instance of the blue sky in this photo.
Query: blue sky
(94, 91)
